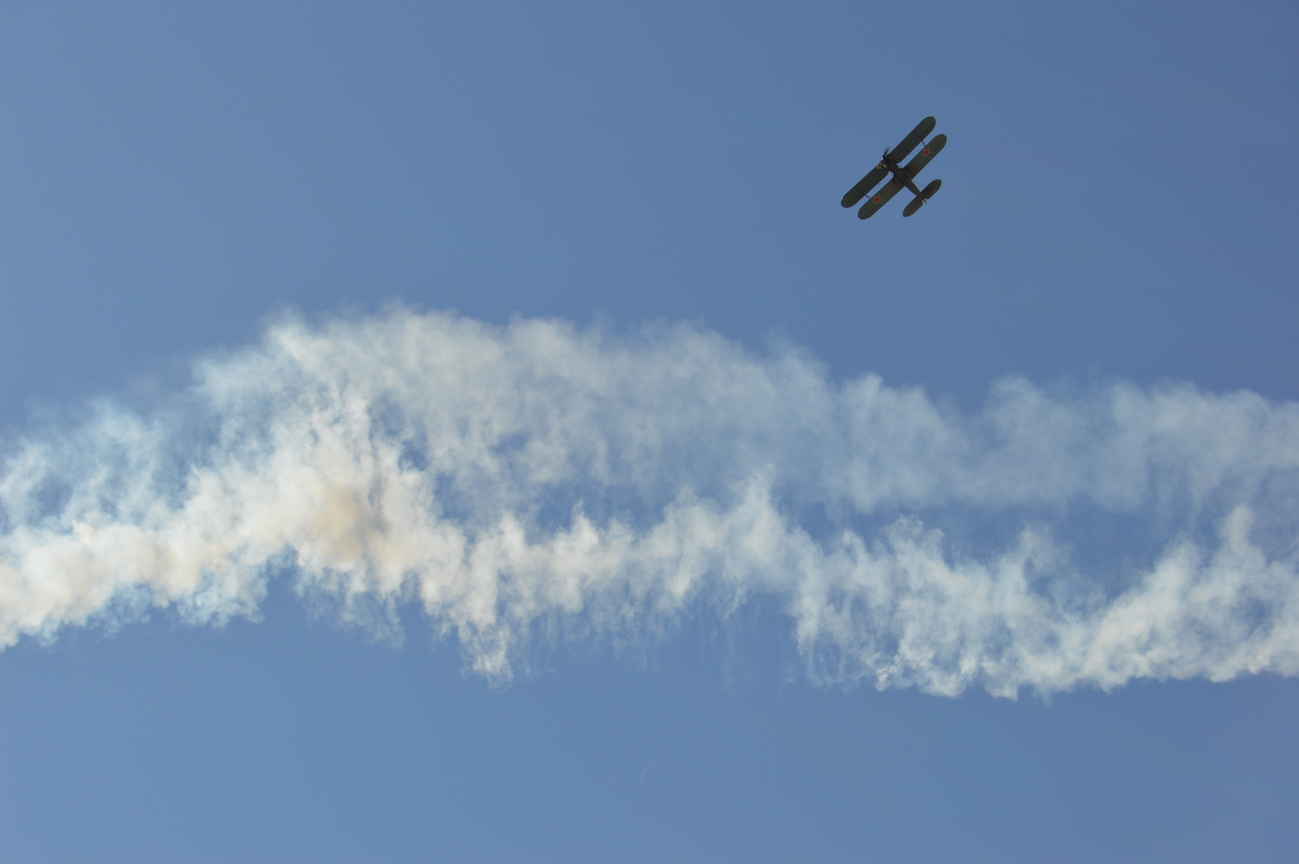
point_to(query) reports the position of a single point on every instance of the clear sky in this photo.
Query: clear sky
(475, 432)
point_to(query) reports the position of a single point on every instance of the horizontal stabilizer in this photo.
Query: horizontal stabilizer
(925, 194)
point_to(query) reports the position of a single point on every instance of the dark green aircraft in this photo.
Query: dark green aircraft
(902, 175)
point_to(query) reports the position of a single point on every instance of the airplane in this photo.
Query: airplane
(902, 175)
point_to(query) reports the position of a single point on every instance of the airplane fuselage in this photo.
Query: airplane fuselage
(899, 176)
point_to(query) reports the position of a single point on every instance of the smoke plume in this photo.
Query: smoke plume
(543, 483)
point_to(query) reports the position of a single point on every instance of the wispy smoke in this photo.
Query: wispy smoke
(539, 482)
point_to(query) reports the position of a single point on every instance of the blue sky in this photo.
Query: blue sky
(296, 298)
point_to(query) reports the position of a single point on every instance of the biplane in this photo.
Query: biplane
(902, 175)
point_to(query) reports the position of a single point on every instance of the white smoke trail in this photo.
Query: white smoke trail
(538, 482)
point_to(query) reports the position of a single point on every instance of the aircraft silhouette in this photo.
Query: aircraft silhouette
(901, 175)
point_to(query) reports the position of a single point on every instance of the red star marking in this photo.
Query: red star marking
(925, 152)
(875, 200)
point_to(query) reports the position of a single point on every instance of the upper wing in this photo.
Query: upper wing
(879, 199)
(867, 183)
(907, 144)
(913, 167)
